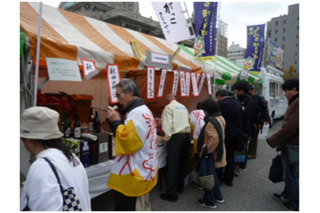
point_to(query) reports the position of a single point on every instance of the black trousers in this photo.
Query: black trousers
(124, 203)
(228, 173)
(177, 162)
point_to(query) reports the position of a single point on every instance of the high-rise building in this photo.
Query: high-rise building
(124, 14)
(237, 53)
(284, 31)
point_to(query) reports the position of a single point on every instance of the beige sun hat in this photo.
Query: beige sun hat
(40, 123)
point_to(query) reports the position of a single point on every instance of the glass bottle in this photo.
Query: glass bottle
(90, 123)
(97, 123)
(77, 127)
(66, 124)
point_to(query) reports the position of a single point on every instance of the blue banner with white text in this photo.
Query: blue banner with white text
(205, 16)
(255, 46)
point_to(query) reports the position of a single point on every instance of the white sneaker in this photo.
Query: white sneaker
(205, 205)
(220, 201)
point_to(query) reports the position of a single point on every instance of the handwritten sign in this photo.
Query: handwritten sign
(63, 70)
(203, 76)
(113, 76)
(182, 84)
(188, 84)
(162, 82)
(89, 68)
(150, 82)
(194, 84)
(209, 83)
(175, 82)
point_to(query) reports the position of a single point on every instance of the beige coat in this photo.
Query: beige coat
(211, 139)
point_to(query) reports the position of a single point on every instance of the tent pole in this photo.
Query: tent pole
(37, 59)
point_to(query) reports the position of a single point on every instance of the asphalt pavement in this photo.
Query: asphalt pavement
(251, 191)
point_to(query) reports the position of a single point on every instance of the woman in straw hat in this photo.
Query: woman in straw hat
(41, 136)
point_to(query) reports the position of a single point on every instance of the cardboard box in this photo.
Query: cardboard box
(103, 143)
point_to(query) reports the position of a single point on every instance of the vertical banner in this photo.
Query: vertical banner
(203, 77)
(188, 84)
(162, 82)
(205, 16)
(172, 21)
(274, 54)
(113, 76)
(182, 84)
(175, 82)
(209, 83)
(255, 46)
(150, 83)
(194, 84)
(198, 78)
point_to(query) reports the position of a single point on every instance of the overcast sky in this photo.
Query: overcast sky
(237, 15)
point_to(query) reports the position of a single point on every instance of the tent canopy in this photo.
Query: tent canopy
(224, 70)
(71, 36)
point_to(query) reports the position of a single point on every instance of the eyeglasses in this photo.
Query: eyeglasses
(118, 94)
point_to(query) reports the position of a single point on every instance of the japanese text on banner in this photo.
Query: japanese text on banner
(255, 46)
(150, 83)
(172, 21)
(113, 79)
(205, 16)
(175, 82)
(162, 82)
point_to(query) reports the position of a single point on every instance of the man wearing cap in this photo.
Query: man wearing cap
(41, 136)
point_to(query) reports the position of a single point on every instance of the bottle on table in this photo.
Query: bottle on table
(66, 124)
(97, 123)
(77, 127)
(90, 123)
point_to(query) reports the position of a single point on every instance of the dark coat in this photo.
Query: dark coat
(289, 131)
(249, 109)
(231, 112)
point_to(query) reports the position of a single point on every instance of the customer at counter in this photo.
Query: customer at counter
(134, 173)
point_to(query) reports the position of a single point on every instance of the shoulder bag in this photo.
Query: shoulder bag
(205, 170)
(70, 200)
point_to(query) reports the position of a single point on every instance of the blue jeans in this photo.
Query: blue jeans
(290, 160)
(210, 197)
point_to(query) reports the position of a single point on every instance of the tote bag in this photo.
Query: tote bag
(205, 170)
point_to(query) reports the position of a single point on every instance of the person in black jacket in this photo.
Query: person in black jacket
(261, 117)
(249, 108)
(231, 111)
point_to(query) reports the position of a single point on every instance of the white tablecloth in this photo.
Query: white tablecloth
(99, 174)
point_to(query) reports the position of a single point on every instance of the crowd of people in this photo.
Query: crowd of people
(224, 125)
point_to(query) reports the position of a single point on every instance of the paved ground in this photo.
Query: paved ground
(252, 191)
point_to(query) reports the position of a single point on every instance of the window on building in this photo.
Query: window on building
(275, 39)
(277, 23)
(283, 38)
(284, 30)
(276, 31)
(284, 21)
(283, 46)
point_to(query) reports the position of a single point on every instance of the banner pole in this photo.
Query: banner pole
(37, 57)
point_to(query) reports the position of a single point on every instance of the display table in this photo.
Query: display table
(99, 174)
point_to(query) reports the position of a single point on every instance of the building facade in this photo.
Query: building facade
(124, 14)
(236, 53)
(284, 31)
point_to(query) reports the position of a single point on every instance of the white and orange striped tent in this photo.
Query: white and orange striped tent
(71, 36)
